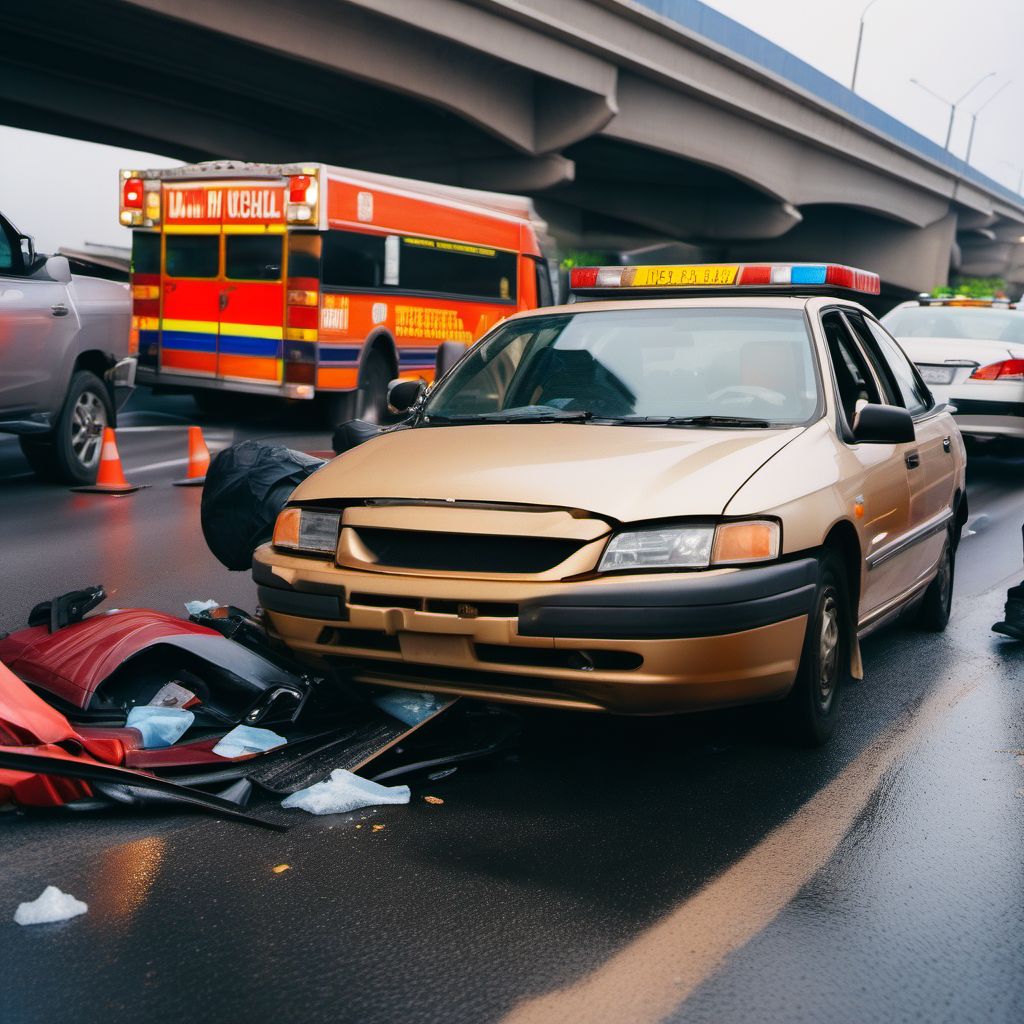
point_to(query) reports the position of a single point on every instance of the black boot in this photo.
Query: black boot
(1013, 615)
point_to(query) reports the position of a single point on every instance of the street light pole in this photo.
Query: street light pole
(952, 109)
(860, 40)
(952, 106)
(974, 117)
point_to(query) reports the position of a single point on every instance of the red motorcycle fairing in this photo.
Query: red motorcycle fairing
(75, 660)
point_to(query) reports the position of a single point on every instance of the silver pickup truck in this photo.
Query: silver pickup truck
(63, 358)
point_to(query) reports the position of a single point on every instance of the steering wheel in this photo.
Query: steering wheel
(747, 393)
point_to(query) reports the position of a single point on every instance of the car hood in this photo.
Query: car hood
(939, 350)
(619, 473)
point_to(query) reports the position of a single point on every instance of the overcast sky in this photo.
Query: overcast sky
(65, 192)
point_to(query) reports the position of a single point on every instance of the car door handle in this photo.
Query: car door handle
(913, 460)
(59, 310)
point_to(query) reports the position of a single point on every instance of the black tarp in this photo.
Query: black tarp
(246, 486)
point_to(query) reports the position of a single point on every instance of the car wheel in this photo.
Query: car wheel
(811, 709)
(933, 613)
(372, 404)
(71, 454)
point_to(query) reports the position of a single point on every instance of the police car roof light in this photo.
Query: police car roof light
(722, 276)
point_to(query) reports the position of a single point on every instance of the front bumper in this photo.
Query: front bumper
(643, 644)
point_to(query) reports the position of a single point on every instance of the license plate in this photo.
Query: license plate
(937, 374)
(684, 277)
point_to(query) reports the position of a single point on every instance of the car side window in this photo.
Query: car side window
(6, 252)
(916, 396)
(891, 393)
(854, 382)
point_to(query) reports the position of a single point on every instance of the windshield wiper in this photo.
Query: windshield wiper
(693, 421)
(532, 416)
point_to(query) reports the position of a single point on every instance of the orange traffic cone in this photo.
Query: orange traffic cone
(110, 478)
(198, 460)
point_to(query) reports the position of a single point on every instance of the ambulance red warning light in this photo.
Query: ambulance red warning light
(717, 276)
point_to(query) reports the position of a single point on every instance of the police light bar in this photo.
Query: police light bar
(715, 276)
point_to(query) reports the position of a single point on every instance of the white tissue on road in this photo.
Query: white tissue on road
(344, 791)
(408, 706)
(160, 727)
(245, 739)
(195, 607)
(52, 905)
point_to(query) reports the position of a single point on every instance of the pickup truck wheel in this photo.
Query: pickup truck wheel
(811, 709)
(71, 454)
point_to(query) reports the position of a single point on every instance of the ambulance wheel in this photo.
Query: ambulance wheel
(372, 404)
(810, 711)
(71, 453)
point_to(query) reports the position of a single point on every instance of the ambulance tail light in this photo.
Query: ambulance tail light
(301, 336)
(131, 194)
(303, 193)
(1008, 369)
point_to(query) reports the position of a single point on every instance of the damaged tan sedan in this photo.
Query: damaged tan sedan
(691, 487)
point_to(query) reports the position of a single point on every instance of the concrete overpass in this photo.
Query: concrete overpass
(630, 123)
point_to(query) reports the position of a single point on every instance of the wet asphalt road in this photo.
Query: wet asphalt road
(687, 869)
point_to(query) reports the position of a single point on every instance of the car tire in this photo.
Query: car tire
(71, 453)
(811, 710)
(933, 612)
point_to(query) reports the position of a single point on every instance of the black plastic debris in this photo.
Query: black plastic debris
(66, 609)
(247, 485)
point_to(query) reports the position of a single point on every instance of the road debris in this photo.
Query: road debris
(198, 607)
(408, 706)
(159, 726)
(436, 800)
(377, 828)
(343, 791)
(280, 869)
(50, 906)
(244, 739)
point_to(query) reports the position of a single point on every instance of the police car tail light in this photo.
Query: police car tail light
(721, 276)
(1009, 369)
(307, 531)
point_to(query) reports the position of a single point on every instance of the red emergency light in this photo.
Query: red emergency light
(131, 194)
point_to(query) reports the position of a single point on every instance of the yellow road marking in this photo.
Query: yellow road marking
(665, 964)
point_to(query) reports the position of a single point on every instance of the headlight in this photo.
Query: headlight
(308, 530)
(692, 547)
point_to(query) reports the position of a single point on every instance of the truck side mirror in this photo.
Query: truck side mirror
(404, 394)
(58, 268)
(448, 354)
(883, 424)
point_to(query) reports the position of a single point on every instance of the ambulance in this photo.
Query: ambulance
(305, 281)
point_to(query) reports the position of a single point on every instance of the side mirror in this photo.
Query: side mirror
(28, 249)
(448, 354)
(404, 394)
(883, 424)
(58, 268)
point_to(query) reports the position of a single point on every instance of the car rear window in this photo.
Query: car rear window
(967, 322)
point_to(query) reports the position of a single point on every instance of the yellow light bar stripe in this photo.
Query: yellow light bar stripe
(252, 331)
(192, 229)
(683, 276)
(254, 229)
(301, 334)
(196, 326)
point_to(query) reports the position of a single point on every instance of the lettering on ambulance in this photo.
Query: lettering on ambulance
(215, 205)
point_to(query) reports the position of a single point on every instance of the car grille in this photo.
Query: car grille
(438, 606)
(465, 552)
